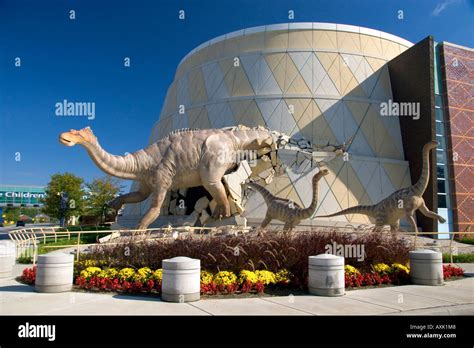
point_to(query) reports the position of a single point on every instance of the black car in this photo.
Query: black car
(20, 224)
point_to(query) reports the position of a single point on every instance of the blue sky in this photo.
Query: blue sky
(82, 60)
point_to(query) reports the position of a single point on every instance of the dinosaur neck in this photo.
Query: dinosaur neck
(124, 167)
(307, 212)
(420, 187)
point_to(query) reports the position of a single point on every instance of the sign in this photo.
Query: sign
(17, 196)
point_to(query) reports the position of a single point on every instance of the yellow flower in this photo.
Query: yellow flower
(143, 274)
(266, 277)
(398, 267)
(249, 276)
(89, 272)
(126, 274)
(225, 278)
(157, 275)
(382, 268)
(351, 270)
(283, 276)
(206, 277)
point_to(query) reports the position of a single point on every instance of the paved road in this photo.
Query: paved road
(454, 298)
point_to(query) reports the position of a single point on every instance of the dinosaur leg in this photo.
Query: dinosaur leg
(266, 221)
(428, 213)
(395, 226)
(379, 223)
(214, 186)
(153, 212)
(132, 197)
(412, 222)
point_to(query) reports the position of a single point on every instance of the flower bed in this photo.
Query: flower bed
(146, 280)
(270, 251)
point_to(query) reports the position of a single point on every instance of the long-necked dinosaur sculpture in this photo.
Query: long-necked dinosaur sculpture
(286, 210)
(183, 159)
(403, 202)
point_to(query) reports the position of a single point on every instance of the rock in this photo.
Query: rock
(233, 220)
(235, 207)
(172, 208)
(234, 180)
(201, 204)
(204, 217)
(189, 220)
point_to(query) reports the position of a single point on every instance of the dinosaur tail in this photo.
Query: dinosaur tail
(267, 196)
(358, 209)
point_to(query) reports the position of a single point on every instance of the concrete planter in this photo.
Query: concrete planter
(7, 258)
(326, 275)
(54, 272)
(181, 280)
(426, 267)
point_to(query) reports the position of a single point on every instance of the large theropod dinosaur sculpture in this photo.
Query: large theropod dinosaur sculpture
(186, 158)
(285, 210)
(403, 202)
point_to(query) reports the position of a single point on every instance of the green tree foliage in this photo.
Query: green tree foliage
(69, 183)
(101, 191)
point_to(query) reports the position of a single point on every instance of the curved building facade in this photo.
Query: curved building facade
(318, 81)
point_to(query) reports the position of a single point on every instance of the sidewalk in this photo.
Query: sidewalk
(454, 298)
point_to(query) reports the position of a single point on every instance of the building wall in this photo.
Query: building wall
(458, 81)
(411, 74)
(334, 77)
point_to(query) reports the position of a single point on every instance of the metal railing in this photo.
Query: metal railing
(27, 240)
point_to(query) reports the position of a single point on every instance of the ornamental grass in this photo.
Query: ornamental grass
(269, 251)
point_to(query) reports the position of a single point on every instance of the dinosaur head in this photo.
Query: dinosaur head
(430, 145)
(321, 173)
(73, 137)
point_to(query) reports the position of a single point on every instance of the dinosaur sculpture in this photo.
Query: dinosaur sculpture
(185, 158)
(403, 202)
(286, 210)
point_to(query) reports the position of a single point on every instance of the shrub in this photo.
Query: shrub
(126, 274)
(382, 268)
(450, 271)
(29, 275)
(460, 258)
(350, 270)
(271, 251)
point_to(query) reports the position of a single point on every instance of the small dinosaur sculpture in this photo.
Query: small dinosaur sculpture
(403, 202)
(286, 210)
(184, 158)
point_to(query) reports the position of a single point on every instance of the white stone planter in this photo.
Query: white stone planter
(181, 280)
(326, 275)
(54, 272)
(7, 258)
(426, 267)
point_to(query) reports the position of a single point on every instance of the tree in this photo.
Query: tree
(73, 186)
(101, 191)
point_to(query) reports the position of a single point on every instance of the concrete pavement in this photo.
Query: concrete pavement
(453, 298)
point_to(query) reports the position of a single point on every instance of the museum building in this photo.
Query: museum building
(327, 83)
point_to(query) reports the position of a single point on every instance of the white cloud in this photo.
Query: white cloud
(440, 7)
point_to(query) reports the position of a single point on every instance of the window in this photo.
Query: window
(441, 186)
(439, 128)
(442, 201)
